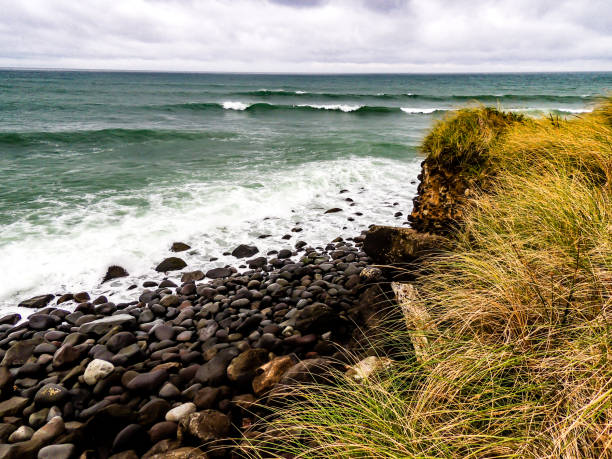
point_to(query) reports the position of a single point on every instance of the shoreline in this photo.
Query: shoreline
(191, 345)
(76, 262)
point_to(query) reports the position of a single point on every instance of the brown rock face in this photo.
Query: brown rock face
(272, 372)
(392, 245)
(179, 247)
(205, 426)
(37, 302)
(441, 195)
(242, 368)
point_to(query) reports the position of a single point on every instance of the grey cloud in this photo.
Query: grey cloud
(308, 35)
(299, 3)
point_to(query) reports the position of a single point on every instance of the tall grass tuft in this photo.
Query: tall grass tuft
(519, 362)
(465, 137)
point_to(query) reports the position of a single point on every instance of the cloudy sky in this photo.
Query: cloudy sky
(308, 35)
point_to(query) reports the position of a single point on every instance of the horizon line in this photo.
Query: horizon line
(223, 72)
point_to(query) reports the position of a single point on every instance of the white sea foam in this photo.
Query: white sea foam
(212, 217)
(419, 110)
(575, 110)
(231, 105)
(341, 107)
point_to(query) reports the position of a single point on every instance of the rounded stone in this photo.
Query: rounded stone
(23, 433)
(97, 370)
(171, 264)
(162, 430)
(62, 451)
(178, 413)
(133, 435)
(147, 381)
(51, 394)
(41, 322)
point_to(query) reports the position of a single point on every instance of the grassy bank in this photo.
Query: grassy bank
(516, 361)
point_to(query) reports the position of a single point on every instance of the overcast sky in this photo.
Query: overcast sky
(308, 35)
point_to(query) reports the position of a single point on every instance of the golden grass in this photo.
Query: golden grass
(465, 137)
(519, 356)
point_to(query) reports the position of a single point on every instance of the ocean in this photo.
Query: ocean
(104, 168)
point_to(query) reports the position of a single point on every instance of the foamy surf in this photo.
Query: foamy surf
(212, 217)
(341, 107)
(419, 110)
(231, 105)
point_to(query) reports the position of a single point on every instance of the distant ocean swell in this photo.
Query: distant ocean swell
(103, 135)
(425, 97)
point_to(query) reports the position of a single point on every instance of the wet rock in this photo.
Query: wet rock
(49, 431)
(68, 354)
(51, 394)
(217, 273)
(179, 412)
(162, 430)
(5, 431)
(205, 426)
(81, 297)
(12, 406)
(171, 264)
(167, 283)
(242, 368)
(101, 326)
(23, 433)
(97, 370)
(179, 247)
(315, 317)
(39, 301)
(25, 449)
(244, 251)
(213, 372)
(114, 272)
(192, 276)
(120, 340)
(147, 382)
(271, 373)
(132, 436)
(371, 274)
(62, 451)
(20, 352)
(153, 411)
(258, 262)
(65, 297)
(39, 418)
(206, 397)
(170, 300)
(163, 332)
(389, 245)
(41, 322)
(10, 319)
(169, 390)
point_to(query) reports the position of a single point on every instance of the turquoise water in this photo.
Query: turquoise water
(99, 168)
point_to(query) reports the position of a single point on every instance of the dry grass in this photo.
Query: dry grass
(465, 137)
(519, 363)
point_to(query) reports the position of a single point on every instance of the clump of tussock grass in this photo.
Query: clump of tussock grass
(520, 341)
(465, 137)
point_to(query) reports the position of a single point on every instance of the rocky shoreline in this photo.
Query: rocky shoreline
(184, 370)
(189, 368)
